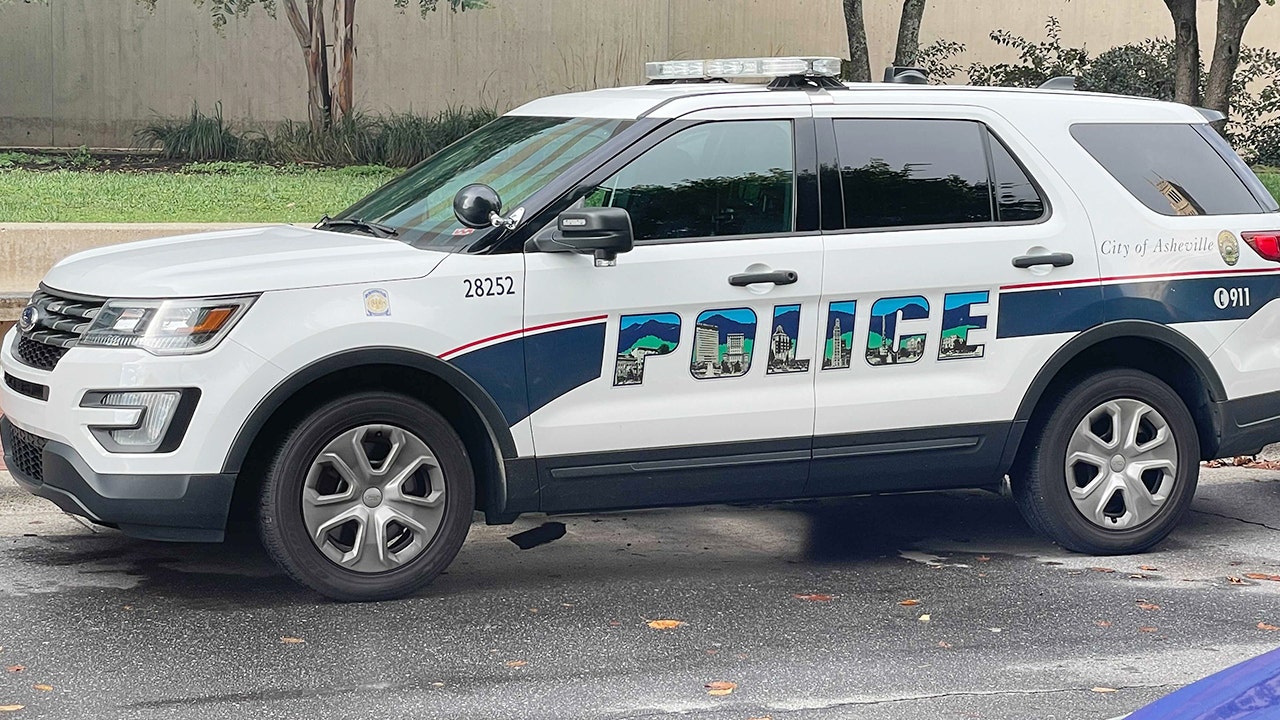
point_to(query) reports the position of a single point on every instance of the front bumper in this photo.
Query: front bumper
(191, 508)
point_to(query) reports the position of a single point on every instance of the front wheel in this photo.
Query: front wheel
(368, 498)
(1113, 466)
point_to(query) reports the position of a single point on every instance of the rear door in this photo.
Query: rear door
(954, 266)
(684, 372)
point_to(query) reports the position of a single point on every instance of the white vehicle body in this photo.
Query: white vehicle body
(560, 412)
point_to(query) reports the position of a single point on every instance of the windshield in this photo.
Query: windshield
(514, 155)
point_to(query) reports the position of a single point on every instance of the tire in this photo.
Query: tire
(1062, 492)
(367, 498)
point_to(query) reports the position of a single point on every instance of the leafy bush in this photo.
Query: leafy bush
(396, 140)
(1255, 106)
(1039, 61)
(935, 59)
(1145, 69)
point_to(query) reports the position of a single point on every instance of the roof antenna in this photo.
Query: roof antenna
(1062, 82)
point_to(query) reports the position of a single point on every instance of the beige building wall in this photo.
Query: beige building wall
(88, 72)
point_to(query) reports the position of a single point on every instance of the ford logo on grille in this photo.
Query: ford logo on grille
(27, 320)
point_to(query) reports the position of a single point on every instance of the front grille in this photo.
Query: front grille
(60, 321)
(26, 387)
(26, 452)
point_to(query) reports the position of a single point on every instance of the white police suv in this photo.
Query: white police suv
(698, 292)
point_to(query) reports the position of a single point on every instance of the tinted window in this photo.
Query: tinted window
(913, 172)
(1016, 196)
(715, 179)
(1169, 167)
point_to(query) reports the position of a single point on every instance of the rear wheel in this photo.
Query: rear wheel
(1113, 466)
(368, 498)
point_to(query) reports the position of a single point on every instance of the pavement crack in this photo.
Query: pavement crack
(1232, 517)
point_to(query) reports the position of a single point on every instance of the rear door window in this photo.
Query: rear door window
(1169, 167)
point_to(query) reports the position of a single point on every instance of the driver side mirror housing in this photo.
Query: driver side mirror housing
(602, 231)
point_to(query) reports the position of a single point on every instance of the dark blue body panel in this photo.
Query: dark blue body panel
(1248, 691)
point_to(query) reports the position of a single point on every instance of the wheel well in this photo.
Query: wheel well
(414, 382)
(1137, 353)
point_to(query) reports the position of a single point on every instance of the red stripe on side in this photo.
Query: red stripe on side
(1155, 276)
(522, 331)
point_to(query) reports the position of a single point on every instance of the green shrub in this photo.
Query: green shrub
(196, 137)
(1038, 61)
(1144, 69)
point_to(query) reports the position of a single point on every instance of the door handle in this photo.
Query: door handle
(777, 277)
(1058, 259)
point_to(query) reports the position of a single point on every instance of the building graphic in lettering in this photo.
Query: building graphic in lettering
(784, 341)
(886, 345)
(958, 319)
(640, 336)
(838, 348)
(723, 341)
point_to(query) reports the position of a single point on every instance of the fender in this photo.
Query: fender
(1144, 329)
(455, 378)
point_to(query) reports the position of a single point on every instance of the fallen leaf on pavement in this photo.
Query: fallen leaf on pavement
(1147, 605)
(16, 668)
(909, 603)
(815, 597)
(43, 688)
(437, 684)
(1103, 623)
(1148, 568)
(517, 663)
(983, 558)
(1102, 569)
(665, 624)
(944, 644)
(1235, 580)
(1262, 576)
(1138, 576)
(1104, 690)
(1147, 628)
(720, 687)
(925, 618)
(1266, 626)
(292, 640)
(11, 708)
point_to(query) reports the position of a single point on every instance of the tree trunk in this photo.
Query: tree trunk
(310, 34)
(909, 32)
(859, 59)
(1187, 51)
(1233, 16)
(344, 57)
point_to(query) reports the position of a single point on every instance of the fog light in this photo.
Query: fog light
(157, 411)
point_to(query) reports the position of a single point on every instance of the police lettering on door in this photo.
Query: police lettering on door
(895, 331)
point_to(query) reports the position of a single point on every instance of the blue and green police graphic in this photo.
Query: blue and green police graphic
(722, 343)
(783, 341)
(640, 336)
(958, 319)
(885, 346)
(838, 350)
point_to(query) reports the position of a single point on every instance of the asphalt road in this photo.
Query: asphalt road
(1007, 626)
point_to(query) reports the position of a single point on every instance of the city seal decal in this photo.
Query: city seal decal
(377, 302)
(1229, 247)
(27, 320)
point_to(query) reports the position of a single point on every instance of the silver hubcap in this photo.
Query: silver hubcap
(1122, 462)
(374, 498)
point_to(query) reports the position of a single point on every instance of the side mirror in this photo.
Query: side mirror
(602, 231)
(476, 205)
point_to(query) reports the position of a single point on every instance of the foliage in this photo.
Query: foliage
(1144, 69)
(1039, 61)
(936, 60)
(219, 192)
(395, 140)
(1255, 106)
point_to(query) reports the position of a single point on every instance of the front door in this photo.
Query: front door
(684, 373)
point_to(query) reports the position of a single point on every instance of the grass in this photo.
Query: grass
(202, 192)
(1272, 181)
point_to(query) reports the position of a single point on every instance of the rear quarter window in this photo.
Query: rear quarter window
(1171, 168)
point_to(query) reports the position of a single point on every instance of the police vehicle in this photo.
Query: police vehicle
(694, 291)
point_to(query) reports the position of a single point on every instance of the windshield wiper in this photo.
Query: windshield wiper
(373, 228)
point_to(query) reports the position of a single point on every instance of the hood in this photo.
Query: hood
(233, 262)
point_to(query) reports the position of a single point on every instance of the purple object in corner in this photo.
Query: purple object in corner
(1247, 691)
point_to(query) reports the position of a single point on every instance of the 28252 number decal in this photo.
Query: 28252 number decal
(490, 286)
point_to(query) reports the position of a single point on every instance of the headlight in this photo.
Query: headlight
(165, 327)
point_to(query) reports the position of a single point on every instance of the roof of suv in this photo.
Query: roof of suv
(658, 100)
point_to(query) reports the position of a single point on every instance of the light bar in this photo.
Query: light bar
(762, 67)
